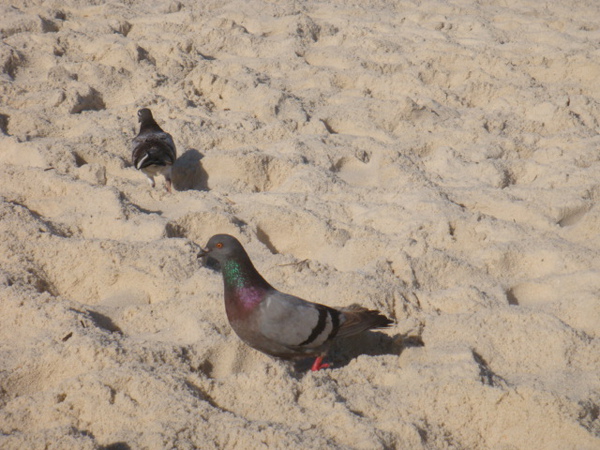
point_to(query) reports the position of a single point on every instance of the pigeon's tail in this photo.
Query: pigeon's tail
(360, 319)
(152, 154)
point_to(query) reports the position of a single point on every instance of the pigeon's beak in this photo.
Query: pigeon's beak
(207, 260)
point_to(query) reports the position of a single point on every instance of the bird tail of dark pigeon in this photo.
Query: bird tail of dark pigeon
(151, 154)
(360, 319)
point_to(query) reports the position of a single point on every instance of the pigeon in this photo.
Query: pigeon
(153, 150)
(279, 324)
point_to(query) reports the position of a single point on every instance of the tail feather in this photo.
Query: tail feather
(360, 319)
(153, 154)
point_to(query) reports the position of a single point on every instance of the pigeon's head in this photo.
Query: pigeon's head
(144, 115)
(222, 247)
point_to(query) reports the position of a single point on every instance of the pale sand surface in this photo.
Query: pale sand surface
(436, 160)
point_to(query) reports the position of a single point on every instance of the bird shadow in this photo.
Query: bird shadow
(187, 172)
(372, 343)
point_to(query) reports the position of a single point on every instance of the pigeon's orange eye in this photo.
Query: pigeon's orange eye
(219, 245)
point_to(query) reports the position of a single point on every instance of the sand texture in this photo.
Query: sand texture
(436, 160)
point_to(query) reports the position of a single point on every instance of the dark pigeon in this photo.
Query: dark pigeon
(280, 324)
(153, 150)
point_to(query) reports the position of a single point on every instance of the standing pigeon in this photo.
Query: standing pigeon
(153, 151)
(280, 324)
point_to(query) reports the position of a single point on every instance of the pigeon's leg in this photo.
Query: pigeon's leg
(151, 180)
(167, 174)
(318, 364)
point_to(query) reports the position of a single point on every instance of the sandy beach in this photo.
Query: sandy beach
(436, 160)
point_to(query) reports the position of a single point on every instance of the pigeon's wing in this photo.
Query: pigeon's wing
(154, 148)
(296, 323)
(153, 136)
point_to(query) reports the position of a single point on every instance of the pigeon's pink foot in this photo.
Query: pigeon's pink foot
(318, 364)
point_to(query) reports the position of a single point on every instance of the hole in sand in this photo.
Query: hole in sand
(116, 446)
(264, 238)
(104, 322)
(512, 299)
(4, 124)
(79, 160)
(174, 230)
(87, 100)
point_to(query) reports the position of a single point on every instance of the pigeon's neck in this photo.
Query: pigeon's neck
(149, 125)
(243, 284)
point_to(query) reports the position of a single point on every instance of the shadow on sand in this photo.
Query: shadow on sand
(187, 172)
(371, 343)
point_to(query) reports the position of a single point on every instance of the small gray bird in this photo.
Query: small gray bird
(153, 150)
(280, 324)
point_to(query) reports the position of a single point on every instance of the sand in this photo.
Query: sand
(436, 160)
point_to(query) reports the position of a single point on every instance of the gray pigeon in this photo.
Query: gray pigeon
(153, 151)
(280, 324)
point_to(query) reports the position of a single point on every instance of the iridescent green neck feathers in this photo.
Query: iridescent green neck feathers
(234, 276)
